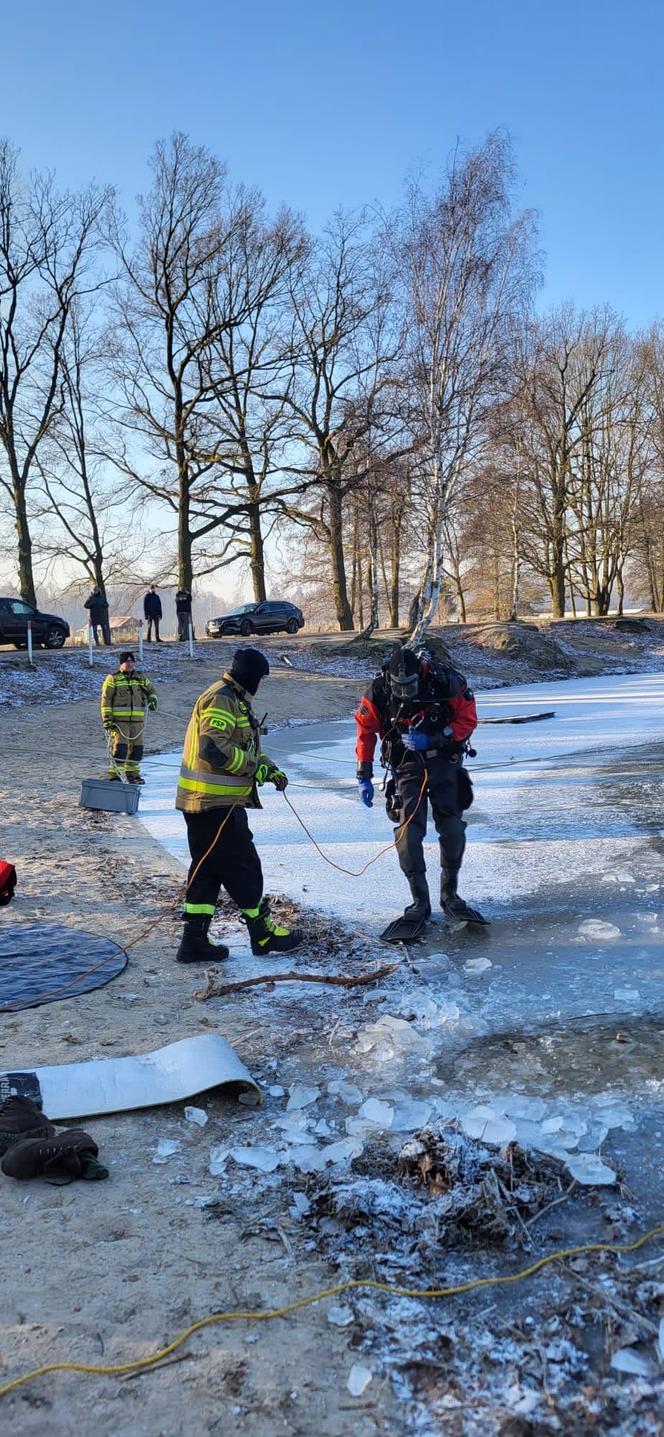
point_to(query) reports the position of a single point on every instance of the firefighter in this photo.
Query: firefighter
(424, 713)
(222, 770)
(124, 698)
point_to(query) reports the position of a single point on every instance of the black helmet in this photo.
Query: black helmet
(404, 673)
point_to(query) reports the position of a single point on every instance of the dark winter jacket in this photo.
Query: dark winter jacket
(97, 603)
(152, 606)
(183, 602)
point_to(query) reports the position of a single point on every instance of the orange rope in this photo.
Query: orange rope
(352, 873)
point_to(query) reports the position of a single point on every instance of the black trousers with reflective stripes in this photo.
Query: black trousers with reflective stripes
(443, 794)
(233, 862)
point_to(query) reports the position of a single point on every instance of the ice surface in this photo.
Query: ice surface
(301, 1205)
(301, 1096)
(626, 995)
(342, 1150)
(520, 1105)
(340, 1316)
(166, 1147)
(588, 1169)
(359, 1378)
(197, 1116)
(307, 1158)
(489, 1125)
(276, 1091)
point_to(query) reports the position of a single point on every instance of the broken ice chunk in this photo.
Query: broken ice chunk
(359, 1378)
(345, 1148)
(197, 1116)
(626, 995)
(307, 1158)
(409, 1115)
(217, 1161)
(596, 928)
(390, 1035)
(276, 1091)
(300, 1096)
(348, 1092)
(589, 1170)
(301, 1205)
(375, 1111)
(166, 1147)
(477, 965)
(627, 1359)
(323, 1129)
(489, 1125)
(521, 1106)
(340, 1316)
(264, 1159)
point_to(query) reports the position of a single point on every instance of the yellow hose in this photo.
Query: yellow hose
(119, 1369)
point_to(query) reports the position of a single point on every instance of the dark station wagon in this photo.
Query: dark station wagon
(273, 616)
(47, 629)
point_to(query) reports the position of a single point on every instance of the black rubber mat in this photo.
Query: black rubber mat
(43, 963)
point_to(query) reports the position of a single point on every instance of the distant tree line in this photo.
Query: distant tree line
(378, 407)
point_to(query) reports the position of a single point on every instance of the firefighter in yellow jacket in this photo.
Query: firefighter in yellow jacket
(125, 696)
(222, 770)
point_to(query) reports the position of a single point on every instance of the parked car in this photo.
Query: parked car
(271, 617)
(47, 629)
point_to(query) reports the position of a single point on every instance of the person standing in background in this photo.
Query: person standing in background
(152, 610)
(183, 612)
(97, 605)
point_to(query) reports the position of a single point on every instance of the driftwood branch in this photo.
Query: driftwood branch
(360, 980)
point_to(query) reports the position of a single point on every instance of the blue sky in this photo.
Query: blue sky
(325, 105)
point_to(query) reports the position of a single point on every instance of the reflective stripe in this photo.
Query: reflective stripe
(218, 713)
(238, 789)
(206, 908)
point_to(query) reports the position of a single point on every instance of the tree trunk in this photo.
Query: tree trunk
(257, 561)
(339, 589)
(185, 561)
(24, 553)
(372, 574)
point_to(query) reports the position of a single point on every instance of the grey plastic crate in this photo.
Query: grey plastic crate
(110, 795)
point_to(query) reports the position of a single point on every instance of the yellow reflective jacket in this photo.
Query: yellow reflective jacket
(221, 751)
(124, 697)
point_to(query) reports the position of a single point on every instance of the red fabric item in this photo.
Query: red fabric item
(369, 726)
(463, 715)
(7, 881)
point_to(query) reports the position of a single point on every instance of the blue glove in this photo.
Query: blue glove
(416, 742)
(366, 791)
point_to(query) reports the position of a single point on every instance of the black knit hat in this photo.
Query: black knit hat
(126, 654)
(404, 671)
(249, 666)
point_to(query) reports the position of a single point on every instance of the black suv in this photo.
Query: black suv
(47, 629)
(271, 617)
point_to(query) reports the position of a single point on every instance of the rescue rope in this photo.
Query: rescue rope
(353, 873)
(355, 1284)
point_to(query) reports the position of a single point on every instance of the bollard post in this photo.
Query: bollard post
(140, 641)
(191, 640)
(30, 644)
(90, 650)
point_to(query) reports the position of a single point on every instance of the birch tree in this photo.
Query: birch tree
(467, 273)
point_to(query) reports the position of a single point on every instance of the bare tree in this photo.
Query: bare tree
(46, 241)
(342, 351)
(85, 518)
(467, 269)
(167, 322)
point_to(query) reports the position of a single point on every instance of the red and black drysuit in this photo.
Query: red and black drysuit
(444, 709)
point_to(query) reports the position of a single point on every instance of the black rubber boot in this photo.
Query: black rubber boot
(421, 904)
(195, 945)
(268, 936)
